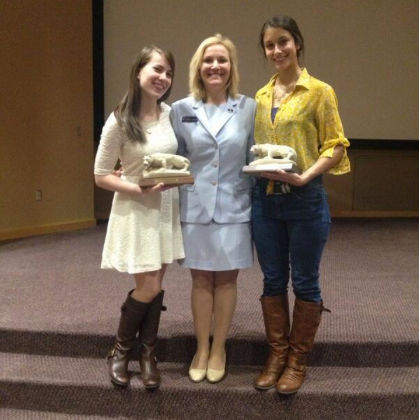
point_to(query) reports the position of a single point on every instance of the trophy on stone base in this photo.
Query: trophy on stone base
(272, 157)
(167, 168)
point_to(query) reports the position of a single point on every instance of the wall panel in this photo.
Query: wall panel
(46, 131)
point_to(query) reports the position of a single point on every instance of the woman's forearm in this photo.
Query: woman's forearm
(323, 164)
(114, 183)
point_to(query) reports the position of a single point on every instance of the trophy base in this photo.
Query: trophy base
(167, 180)
(270, 167)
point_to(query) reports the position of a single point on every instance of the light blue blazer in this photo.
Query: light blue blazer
(217, 151)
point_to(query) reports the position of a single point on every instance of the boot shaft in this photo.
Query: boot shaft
(306, 320)
(149, 327)
(276, 319)
(133, 313)
(150, 374)
(277, 327)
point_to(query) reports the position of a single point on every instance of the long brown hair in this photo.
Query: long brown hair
(127, 110)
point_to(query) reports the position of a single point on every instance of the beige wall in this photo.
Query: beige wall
(366, 49)
(46, 109)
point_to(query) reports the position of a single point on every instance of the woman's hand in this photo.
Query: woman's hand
(113, 182)
(321, 166)
(118, 172)
(144, 190)
(157, 188)
(291, 178)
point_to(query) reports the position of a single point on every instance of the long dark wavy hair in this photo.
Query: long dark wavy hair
(290, 25)
(127, 110)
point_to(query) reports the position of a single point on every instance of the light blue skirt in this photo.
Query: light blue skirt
(217, 247)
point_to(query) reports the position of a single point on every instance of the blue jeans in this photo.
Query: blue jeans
(290, 232)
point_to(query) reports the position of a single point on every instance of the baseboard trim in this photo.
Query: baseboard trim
(375, 213)
(102, 215)
(383, 144)
(45, 229)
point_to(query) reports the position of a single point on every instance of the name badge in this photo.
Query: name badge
(189, 119)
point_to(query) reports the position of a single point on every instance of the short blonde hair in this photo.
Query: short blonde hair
(197, 89)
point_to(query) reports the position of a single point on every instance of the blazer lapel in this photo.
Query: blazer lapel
(199, 110)
(231, 109)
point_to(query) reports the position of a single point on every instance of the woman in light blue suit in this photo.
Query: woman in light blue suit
(214, 128)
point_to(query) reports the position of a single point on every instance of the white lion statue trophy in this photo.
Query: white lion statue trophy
(158, 165)
(272, 153)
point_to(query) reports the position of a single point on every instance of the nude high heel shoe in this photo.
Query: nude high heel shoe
(216, 375)
(195, 374)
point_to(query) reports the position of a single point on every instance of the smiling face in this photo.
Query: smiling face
(215, 67)
(280, 48)
(155, 77)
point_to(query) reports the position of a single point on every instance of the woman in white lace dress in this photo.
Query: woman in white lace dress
(144, 233)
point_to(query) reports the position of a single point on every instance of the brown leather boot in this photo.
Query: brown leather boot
(150, 374)
(132, 313)
(277, 326)
(306, 319)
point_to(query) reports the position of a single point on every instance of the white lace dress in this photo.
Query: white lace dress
(143, 232)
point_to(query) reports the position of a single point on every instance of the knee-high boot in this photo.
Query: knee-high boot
(132, 314)
(277, 327)
(306, 319)
(150, 374)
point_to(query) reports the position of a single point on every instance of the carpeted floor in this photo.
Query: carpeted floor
(59, 313)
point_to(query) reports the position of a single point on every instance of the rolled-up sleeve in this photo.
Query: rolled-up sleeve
(330, 130)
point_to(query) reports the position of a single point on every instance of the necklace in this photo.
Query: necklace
(281, 92)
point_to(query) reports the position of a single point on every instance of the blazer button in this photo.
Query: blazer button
(215, 164)
(213, 182)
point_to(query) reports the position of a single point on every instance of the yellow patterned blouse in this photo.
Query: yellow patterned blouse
(306, 120)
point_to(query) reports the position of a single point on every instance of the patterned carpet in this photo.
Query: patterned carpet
(59, 313)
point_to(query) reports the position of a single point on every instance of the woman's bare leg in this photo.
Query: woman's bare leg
(225, 296)
(202, 310)
(148, 285)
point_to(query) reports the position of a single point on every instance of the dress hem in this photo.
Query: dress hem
(140, 269)
(195, 265)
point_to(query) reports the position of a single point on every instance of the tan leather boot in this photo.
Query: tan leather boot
(306, 319)
(150, 374)
(277, 326)
(132, 313)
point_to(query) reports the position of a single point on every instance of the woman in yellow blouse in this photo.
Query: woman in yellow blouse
(290, 217)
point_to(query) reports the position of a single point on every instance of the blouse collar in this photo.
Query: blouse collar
(304, 80)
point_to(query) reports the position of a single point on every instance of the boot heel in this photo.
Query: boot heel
(150, 374)
(117, 361)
